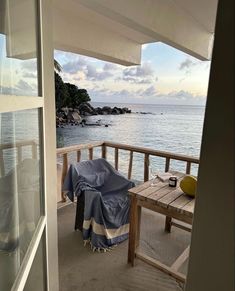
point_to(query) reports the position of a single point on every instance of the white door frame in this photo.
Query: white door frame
(49, 136)
(46, 103)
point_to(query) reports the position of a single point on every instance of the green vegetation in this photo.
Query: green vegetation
(76, 96)
(57, 66)
(61, 92)
(66, 94)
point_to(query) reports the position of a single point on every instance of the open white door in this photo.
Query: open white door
(28, 224)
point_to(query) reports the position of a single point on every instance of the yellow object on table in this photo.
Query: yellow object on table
(189, 185)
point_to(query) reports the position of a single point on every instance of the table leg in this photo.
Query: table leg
(138, 226)
(133, 230)
(168, 224)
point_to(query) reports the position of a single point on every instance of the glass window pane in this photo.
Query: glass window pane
(37, 277)
(18, 48)
(20, 189)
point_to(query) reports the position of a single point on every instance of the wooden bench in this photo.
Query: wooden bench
(169, 201)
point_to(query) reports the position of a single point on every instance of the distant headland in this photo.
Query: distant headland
(76, 116)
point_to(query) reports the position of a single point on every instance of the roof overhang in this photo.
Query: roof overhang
(115, 31)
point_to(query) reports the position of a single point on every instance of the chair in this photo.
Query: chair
(102, 212)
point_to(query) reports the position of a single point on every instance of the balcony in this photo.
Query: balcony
(82, 269)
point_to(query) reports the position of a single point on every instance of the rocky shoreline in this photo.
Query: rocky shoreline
(76, 116)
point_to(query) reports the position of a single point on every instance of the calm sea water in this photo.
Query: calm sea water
(173, 128)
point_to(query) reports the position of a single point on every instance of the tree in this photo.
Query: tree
(61, 92)
(66, 94)
(76, 96)
(57, 66)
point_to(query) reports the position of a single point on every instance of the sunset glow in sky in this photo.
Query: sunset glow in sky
(166, 76)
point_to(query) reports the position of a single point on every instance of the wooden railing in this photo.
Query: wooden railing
(18, 146)
(63, 152)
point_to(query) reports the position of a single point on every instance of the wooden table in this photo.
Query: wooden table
(169, 201)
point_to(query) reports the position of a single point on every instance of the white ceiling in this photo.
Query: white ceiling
(187, 25)
(203, 11)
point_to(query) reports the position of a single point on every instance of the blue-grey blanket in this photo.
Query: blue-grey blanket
(106, 211)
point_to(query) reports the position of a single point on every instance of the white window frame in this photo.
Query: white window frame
(9, 103)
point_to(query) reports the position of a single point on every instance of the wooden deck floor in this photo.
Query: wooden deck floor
(81, 269)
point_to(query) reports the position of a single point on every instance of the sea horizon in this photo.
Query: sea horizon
(155, 104)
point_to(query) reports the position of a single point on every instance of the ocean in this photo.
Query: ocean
(172, 128)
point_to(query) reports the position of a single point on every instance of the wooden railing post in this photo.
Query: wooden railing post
(117, 147)
(90, 153)
(130, 165)
(168, 219)
(104, 151)
(116, 159)
(64, 172)
(78, 156)
(188, 167)
(167, 164)
(146, 167)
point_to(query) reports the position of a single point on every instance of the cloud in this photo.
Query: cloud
(143, 74)
(94, 75)
(72, 67)
(144, 70)
(182, 95)
(150, 91)
(28, 69)
(110, 67)
(82, 69)
(22, 88)
(136, 80)
(29, 65)
(29, 75)
(186, 64)
(109, 82)
(86, 70)
(149, 95)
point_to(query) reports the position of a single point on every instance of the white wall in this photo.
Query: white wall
(211, 265)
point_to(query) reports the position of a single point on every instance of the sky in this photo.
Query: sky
(17, 76)
(165, 76)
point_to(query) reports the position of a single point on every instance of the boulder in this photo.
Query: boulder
(116, 110)
(65, 110)
(74, 116)
(107, 110)
(126, 110)
(86, 108)
(76, 110)
(99, 111)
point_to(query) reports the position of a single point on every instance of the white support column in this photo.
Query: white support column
(48, 92)
(211, 265)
